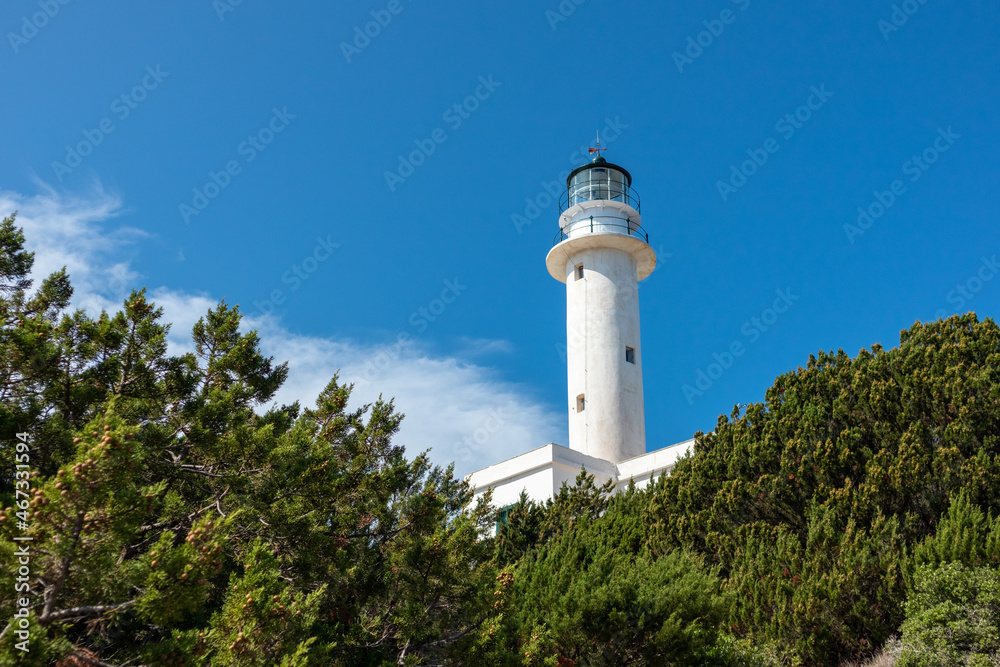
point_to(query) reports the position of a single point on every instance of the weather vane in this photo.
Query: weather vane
(598, 149)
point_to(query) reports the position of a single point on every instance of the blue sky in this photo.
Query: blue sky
(211, 149)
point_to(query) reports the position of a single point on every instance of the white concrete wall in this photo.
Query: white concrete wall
(541, 472)
(602, 318)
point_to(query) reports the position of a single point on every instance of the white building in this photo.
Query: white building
(601, 253)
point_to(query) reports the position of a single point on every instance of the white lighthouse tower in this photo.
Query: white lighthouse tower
(601, 253)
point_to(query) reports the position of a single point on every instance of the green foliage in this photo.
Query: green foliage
(797, 595)
(519, 530)
(528, 524)
(953, 609)
(743, 652)
(965, 535)
(952, 617)
(809, 501)
(32, 364)
(598, 607)
(178, 518)
(584, 500)
(591, 596)
(263, 621)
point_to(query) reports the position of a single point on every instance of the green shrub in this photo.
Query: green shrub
(810, 501)
(965, 535)
(952, 617)
(591, 597)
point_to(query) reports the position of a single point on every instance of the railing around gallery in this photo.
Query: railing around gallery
(601, 224)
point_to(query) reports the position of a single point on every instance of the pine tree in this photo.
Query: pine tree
(31, 357)
(178, 518)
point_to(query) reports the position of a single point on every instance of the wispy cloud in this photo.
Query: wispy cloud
(461, 411)
(64, 230)
(448, 403)
(481, 347)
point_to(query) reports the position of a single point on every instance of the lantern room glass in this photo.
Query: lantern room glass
(598, 183)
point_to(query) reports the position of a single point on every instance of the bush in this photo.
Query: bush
(810, 501)
(952, 617)
(590, 596)
(965, 535)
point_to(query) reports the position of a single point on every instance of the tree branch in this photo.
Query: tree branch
(78, 612)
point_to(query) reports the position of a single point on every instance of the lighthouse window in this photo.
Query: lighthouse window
(630, 354)
(599, 184)
(618, 188)
(579, 272)
(581, 403)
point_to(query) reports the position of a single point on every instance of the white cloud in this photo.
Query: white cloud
(61, 230)
(462, 412)
(476, 347)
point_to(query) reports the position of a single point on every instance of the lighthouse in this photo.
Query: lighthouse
(601, 252)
